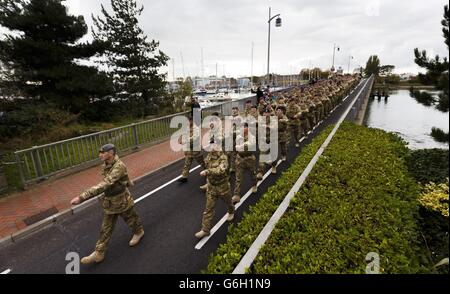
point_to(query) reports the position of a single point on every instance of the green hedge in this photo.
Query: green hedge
(358, 199)
(241, 236)
(429, 165)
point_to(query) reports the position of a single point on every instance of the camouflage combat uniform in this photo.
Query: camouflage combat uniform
(190, 154)
(293, 113)
(262, 164)
(311, 114)
(318, 110)
(283, 134)
(116, 201)
(218, 186)
(246, 160)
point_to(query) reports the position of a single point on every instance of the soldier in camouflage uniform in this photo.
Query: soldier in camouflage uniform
(294, 113)
(273, 164)
(218, 186)
(284, 133)
(311, 113)
(189, 153)
(261, 107)
(116, 201)
(246, 160)
(319, 108)
(232, 153)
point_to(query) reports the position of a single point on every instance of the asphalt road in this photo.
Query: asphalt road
(171, 216)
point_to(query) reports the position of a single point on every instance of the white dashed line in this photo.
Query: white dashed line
(224, 218)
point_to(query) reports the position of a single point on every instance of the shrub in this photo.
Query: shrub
(241, 236)
(358, 199)
(428, 165)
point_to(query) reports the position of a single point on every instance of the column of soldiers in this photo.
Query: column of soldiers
(298, 110)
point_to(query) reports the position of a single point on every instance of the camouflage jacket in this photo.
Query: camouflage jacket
(283, 129)
(217, 171)
(293, 112)
(116, 197)
(248, 147)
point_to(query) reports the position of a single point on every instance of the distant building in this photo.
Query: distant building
(243, 82)
(407, 76)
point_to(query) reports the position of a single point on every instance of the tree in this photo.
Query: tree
(372, 66)
(386, 70)
(437, 69)
(133, 60)
(179, 95)
(41, 54)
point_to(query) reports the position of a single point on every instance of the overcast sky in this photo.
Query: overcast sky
(226, 29)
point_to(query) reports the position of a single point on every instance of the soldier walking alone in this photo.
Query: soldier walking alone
(116, 201)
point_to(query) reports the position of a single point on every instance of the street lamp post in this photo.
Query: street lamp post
(349, 61)
(277, 24)
(334, 54)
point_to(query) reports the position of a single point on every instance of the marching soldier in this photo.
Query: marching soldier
(190, 154)
(283, 131)
(294, 113)
(218, 186)
(232, 153)
(116, 201)
(273, 164)
(246, 160)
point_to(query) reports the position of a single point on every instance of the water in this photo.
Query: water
(413, 121)
(208, 100)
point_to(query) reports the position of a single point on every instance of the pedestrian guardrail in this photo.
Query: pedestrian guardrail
(353, 114)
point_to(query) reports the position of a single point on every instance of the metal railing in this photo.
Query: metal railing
(353, 114)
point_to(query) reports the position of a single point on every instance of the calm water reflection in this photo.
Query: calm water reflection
(413, 121)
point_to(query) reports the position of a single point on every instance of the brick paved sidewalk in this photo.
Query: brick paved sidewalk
(54, 196)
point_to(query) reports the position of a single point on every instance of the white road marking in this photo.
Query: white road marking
(203, 241)
(5, 272)
(163, 186)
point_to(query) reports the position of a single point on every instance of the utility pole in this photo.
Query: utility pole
(278, 24)
(202, 64)
(182, 63)
(334, 54)
(251, 72)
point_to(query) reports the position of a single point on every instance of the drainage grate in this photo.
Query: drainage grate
(40, 216)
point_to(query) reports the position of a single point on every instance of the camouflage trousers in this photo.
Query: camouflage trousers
(305, 126)
(232, 160)
(109, 222)
(284, 147)
(262, 165)
(212, 194)
(189, 158)
(296, 127)
(319, 115)
(243, 164)
(327, 107)
(311, 120)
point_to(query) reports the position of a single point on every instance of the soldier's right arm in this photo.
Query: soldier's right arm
(115, 175)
